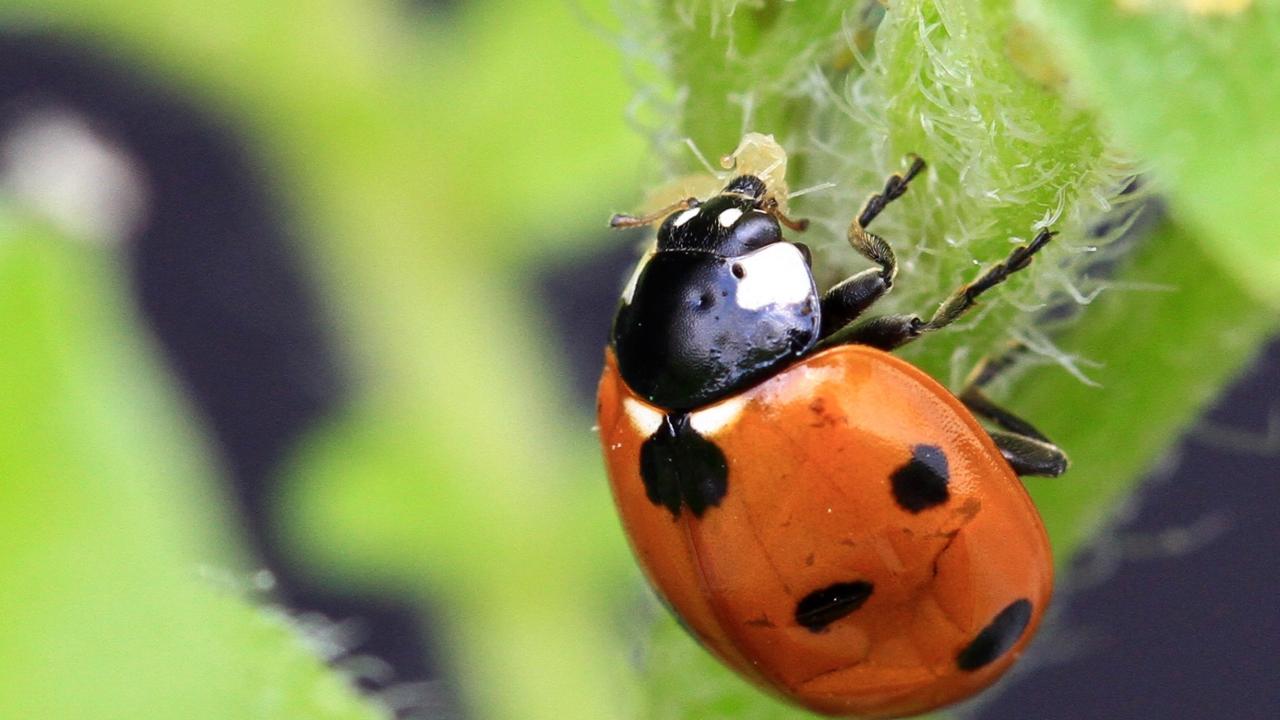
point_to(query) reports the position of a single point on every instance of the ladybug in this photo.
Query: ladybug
(824, 517)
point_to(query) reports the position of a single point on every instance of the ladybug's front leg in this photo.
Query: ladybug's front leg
(1025, 448)
(843, 303)
(847, 300)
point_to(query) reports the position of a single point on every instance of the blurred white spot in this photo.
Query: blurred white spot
(264, 580)
(366, 667)
(55, 164)
(324, 637)
(419, 700)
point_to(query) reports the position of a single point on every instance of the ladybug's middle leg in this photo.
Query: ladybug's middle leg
(848, 299)
(1024, 447)
(893, 331)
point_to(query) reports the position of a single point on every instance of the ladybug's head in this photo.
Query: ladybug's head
(722, 302)
(735, 222)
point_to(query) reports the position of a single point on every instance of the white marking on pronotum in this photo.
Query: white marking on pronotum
(773, 275)
(686, 216)
(645, 419)
(717, 417)
(729, 217)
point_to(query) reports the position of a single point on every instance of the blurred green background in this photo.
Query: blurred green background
(363, 218)
(423, 159)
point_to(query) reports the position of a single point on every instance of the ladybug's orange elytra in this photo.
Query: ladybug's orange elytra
(810, 505)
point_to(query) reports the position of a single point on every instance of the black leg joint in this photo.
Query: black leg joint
(846, 301)
(1028, 456)
(885, 333)
(980, 404)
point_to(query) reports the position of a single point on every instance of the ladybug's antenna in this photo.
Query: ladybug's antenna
(620, 220)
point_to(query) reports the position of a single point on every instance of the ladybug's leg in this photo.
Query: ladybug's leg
(848, 299)
(771, 206)
(967, 295)
(1025, 448)
(974, 397)
(894, 188)
(843, 303)
(629, 221)
(1028, 456)
(893, 331)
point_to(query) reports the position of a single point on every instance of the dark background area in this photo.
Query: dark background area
(1172, 614)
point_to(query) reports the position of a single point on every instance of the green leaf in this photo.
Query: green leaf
(426, 160)
(1192, 87)
(683, 680)
(850, 96)
(118, 599)
(967, 86)
(1162, 350)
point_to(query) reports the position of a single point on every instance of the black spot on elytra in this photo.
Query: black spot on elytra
(822, 607)
(922, 482)
(997, 637)
(681, 468)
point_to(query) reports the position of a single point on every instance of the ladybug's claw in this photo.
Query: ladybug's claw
(894, 188)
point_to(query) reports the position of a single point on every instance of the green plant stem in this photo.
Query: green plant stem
(1162, 355)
